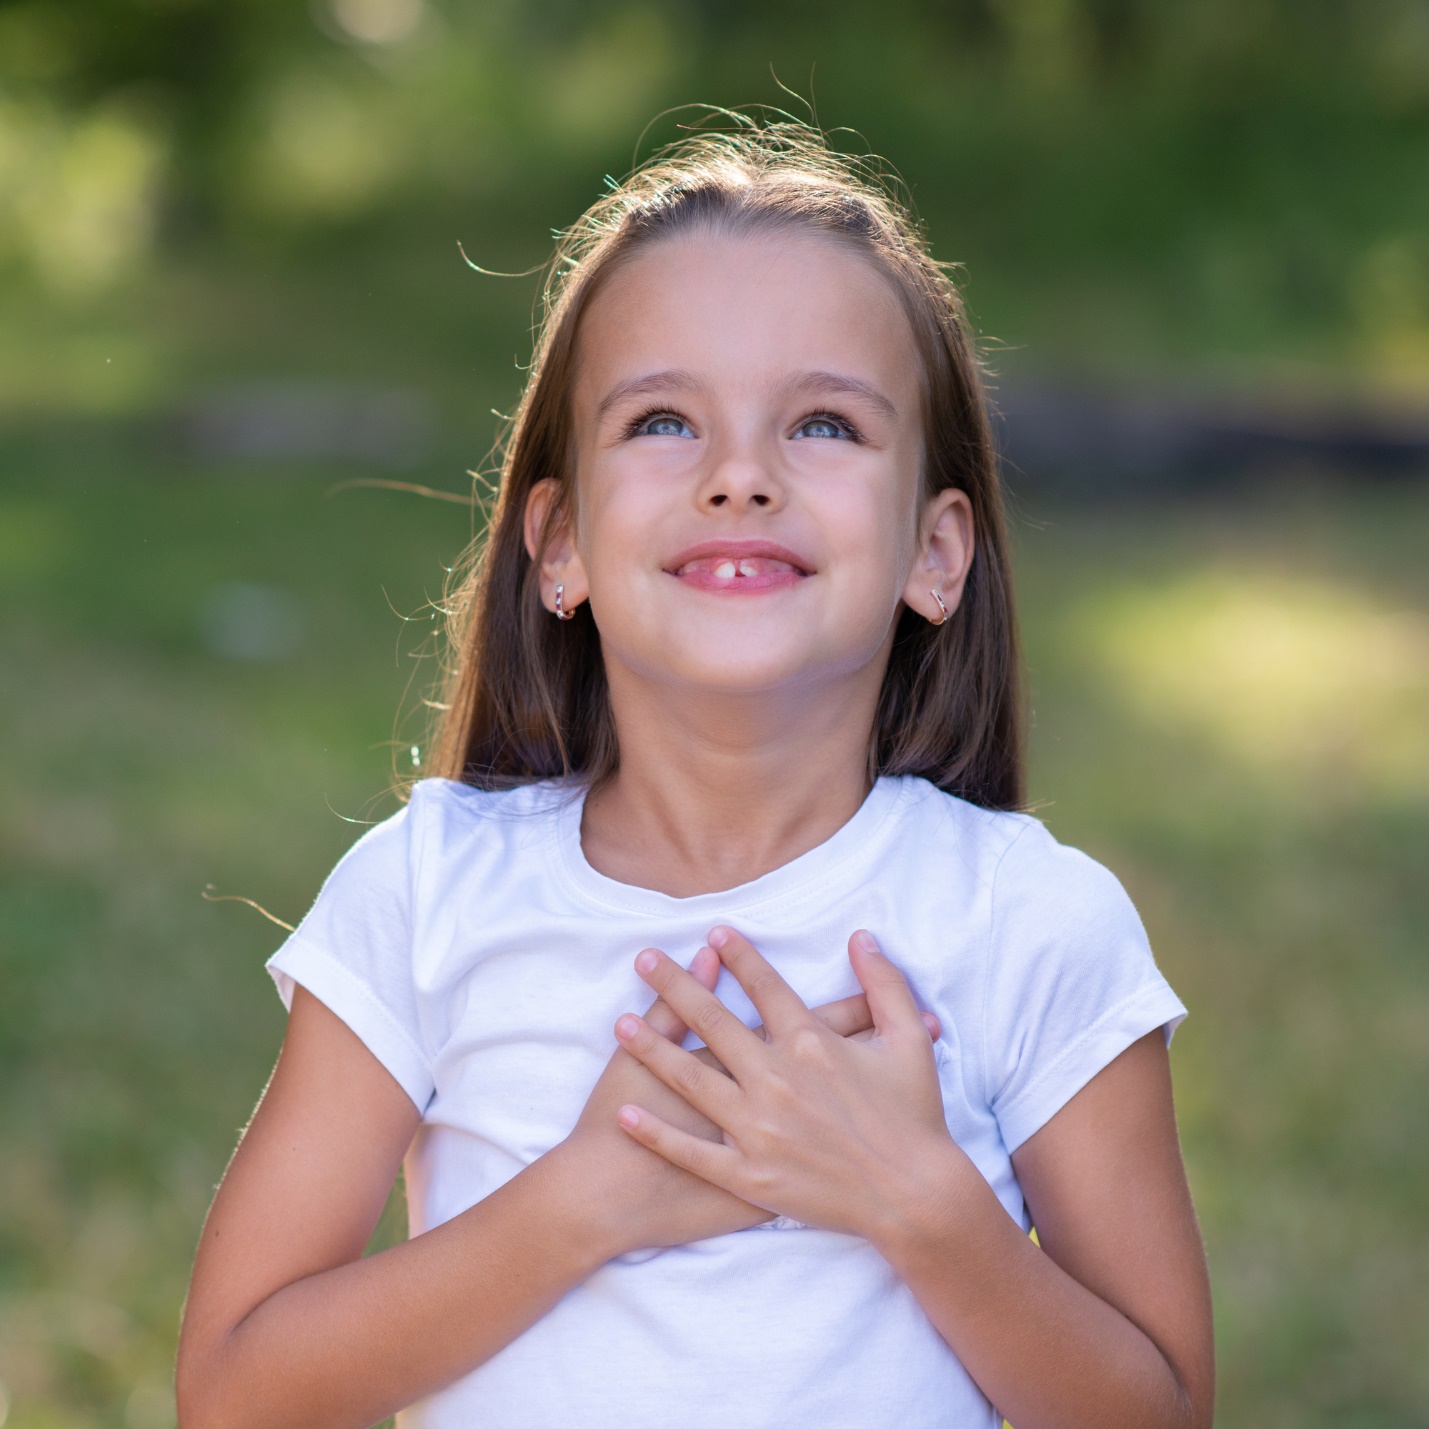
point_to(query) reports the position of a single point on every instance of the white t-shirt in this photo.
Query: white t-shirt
(483, 961)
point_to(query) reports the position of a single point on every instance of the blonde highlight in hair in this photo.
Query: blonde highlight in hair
(526, 696)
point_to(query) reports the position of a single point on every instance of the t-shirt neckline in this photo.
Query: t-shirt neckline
(801, 877)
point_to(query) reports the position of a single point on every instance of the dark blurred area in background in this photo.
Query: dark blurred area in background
(1195, 245)
(1195, 234)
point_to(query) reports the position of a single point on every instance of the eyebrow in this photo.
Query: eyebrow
(678, 380)
(840, 382)
(673, 379)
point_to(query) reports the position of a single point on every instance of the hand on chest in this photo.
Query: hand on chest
(532, 1019)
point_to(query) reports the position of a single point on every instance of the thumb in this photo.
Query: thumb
(663, 1018)
(890, 1000)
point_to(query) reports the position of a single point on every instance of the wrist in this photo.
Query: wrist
(574, 1209)
(925, 1210)
(595, 1202)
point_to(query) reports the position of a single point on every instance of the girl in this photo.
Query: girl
(736, 677)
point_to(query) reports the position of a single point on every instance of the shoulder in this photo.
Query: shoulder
(946, 826)
(462, 842)
(443, 823)
(1055, 895)
(444, 811)
(453, 800)
(1063, 934)
(1040, 893)
(1069, 980)
(1016, 852)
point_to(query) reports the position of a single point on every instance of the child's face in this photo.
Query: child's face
(748, 445)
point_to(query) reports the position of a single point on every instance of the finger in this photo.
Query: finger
(707, 1090)
(847, 1016)
(710, 1060)
(703, 1013)
(930, 1021)
(710, 1160)
(705, 968)
(663, 1018)
(779, 1005)
(890, 999)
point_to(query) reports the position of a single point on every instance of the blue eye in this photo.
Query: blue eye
(824, 427)
(664, 424)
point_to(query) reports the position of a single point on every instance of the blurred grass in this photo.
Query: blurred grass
(1280, 869)
(1281, 879)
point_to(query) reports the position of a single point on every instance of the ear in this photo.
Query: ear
(557, 558)
(945, 554)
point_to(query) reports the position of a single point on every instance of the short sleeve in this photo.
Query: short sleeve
(353, 951)
(1071, 981)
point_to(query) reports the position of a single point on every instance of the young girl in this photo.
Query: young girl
(733, 718)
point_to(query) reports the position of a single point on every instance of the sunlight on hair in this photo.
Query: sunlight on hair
(1291, 676)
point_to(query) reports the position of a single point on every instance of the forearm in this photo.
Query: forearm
(1046, 1350)
(349, 1346)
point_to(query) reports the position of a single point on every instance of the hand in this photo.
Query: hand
(845, 1133)
(641, 1199)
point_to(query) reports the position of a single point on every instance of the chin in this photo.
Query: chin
(736, 674)
(746, 662)
(743, 677)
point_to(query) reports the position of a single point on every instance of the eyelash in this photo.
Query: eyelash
(843, 423)
(633, 427)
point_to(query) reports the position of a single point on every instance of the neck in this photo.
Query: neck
(716, 790)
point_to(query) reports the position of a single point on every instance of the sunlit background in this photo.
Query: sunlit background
(1196, 245)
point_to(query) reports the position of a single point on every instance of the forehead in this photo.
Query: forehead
(747, 310)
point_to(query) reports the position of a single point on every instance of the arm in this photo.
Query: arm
(287, 1324)
(1109, 1324)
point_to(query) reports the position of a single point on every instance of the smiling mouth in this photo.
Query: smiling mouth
(719, 568)
(728, 568)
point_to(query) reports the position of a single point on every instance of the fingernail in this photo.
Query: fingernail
(866, 941)
(628, 1117)
(648, 961)
(626, 1027)
(718, 937)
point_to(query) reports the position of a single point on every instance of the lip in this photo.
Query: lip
(793, 568)
(737, 550)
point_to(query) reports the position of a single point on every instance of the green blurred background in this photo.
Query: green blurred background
(229, 282)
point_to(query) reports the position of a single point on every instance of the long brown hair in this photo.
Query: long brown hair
(526, 696)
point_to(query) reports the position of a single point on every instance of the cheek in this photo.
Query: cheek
(616, 535)
(876, 526)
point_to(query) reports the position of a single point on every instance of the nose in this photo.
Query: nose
(741, 479)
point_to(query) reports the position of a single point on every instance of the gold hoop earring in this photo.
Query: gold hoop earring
(561, 612)
(943, 619)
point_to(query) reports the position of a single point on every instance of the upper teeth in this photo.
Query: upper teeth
(725, 570)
